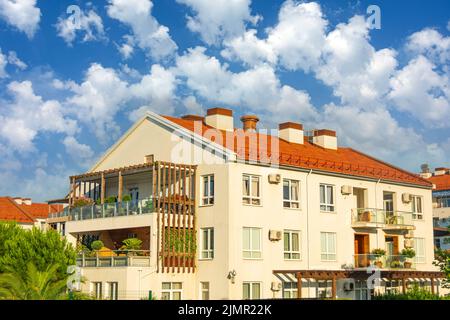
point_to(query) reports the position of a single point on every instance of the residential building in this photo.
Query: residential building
(26, 213)
(231, 213)
(441, 205)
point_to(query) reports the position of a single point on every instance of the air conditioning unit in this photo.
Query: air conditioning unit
(275, 235)
(275, 286)
(349, 285)
(409, 234)
(406, 198)
(346, 190)
(408, 243)
(274, 178)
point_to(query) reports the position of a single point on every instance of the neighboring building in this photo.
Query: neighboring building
(441, 205)
(26, 213)
(266, 216)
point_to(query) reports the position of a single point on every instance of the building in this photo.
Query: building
(441, 205)
(228, 213)
(26, 213)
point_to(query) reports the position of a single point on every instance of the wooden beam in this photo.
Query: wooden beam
(432, 285)
(404, 285)
(333, 287)
(179, 211)
(102, 189)
(163, 213)
(299, 285)
(72, 192)
(119, 192)
(184, 216)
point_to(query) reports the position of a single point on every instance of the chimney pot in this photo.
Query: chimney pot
(249, 122)
(325, 138)
(291, 132)
(220, 118)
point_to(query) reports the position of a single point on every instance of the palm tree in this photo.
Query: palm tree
(34, 285)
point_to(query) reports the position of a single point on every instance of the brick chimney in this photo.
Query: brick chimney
(26, 201)
(325, 138)
(220, 118)
(291, 132)
(18, 200)
(249, 122)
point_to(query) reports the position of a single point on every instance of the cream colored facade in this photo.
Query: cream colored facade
(228, 216)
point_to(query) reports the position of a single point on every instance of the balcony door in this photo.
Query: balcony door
(362, 250)
(388, 202)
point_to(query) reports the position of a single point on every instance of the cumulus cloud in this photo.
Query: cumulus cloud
(219, 19)
(76, 150)
(148, 34)
(21, 14)
(28, 114)
(430, 43)
(3, 63)
(10, 59)
(89, 24)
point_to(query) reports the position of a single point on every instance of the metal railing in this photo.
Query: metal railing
(383, 262)
(108, 210)
(116, 258)
(381, 218)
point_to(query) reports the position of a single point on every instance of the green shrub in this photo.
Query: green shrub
(97, 245)
(131, 244)
(415, 293)
(408, 252)
(126, 198)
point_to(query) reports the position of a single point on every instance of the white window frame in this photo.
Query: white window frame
(417, 215)
(251, 284)
(97, 289)
(290, 253)
(254, 253)
(326, 251)
(327, 206)
(208, 253)
(291, 288)
(252, 200)
(171, 290)
(204, 290)
(291, 204)
(207, 197)
(419, 258)
(113, 290)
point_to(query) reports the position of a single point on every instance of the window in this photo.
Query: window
(204, 286)
(113, 290)
(252, 243)
(326, 197)
(291, 194)
(62, 229)
(251, 290)
(443, 202)
(416, 204)
(171, 291)
(207, 241)
(324, 289)
(361, 290)
(292, 245)
(251, 193)
(289, 290)
(208, 190)
(328, 246)
(419, 248)
(97, 289)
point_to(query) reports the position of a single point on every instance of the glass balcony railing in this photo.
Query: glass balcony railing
(381, 218)
(111, 259)
(383, 262)
(108, 210)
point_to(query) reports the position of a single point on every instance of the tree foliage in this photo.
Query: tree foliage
(18, 247)
(442, 260)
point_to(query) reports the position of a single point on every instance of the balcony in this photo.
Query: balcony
(114, 259)
(383, 262)
(107, 210)
(378, 218)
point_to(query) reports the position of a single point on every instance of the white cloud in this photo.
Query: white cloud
(90, 24)
(14, 60)
(127, 48)
(28, 114)
(22, 14)
(219, 19)
(192, 105)
(421, 91)
(10, 59)
(430, 43)
(76, 150)
(3, 64)
(148, 33)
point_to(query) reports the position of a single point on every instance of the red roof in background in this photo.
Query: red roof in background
(442, 182)
(310, 156)
(23, 213)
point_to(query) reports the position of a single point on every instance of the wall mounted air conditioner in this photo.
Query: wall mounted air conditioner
(275, 286)
(406, 198)
(349, 285)
(409, 234)
(274, 178)
(275, 235)
(346, 190)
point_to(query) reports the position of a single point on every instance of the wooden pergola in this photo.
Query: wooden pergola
(334, 275)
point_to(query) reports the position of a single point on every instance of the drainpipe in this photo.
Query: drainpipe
(307, 228)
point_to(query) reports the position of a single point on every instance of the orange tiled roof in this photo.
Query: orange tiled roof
(23, 213)
(310, 156)
(442, 182)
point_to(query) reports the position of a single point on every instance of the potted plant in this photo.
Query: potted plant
(376, 255)
(131, 244)
(408, 253)
(395, 264)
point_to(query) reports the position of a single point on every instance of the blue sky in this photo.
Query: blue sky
(71, 84)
